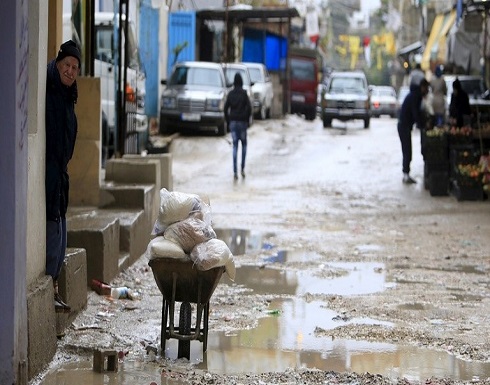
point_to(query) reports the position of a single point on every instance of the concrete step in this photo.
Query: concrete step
(98, 234)
(113, 238)
(118, 196)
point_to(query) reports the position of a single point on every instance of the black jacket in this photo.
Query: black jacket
(411, 112)
(61, 133)
(459, 107)
(237, 105)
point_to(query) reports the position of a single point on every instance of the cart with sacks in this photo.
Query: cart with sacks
(187, 261)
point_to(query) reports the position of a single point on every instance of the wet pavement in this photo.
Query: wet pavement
(340, 267)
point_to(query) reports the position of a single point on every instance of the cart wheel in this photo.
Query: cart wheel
(185, 329)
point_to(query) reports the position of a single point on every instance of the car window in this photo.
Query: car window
(384, 92)
(196, 76)
(256, 75)
(302, 69)
(347, 84)
(230, 75)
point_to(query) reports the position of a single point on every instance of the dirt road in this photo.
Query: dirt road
(318, 205)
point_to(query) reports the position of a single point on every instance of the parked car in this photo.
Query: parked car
(262, 89)
(346, 98)
(194, 98)
(233, 68)
(383, 101)
(402, 93)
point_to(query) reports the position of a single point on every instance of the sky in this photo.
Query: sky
(368, 5)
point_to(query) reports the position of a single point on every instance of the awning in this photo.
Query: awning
(435, 49)
(410, 48)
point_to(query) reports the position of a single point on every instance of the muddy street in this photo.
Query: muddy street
(344, 274)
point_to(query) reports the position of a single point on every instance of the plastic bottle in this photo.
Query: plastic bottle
(119, 292)
(124, 293)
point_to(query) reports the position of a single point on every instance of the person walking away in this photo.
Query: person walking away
(416, 75)
(411, 113)
(61, 134)
(439, 91)
(238, 111)
(459, 107)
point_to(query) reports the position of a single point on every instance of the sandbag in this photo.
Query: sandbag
(176, 206)
(213, 253)
(160, 247)
(189, 232)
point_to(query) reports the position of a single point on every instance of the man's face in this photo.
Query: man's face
(68, 69)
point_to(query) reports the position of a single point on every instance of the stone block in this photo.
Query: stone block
(166, 176)
(132, 171)
(105, 361)
(72, 285)
(41, 324)
(98, 234)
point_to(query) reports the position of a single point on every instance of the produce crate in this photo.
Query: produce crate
(462, 155)
(467, 189)
(435, 149)
(439, 183)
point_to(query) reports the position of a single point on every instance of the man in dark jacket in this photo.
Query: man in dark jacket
(411, 113)
(237, 114)
(61, 133)
(459, 108)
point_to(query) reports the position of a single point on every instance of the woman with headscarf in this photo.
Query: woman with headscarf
(439, 91)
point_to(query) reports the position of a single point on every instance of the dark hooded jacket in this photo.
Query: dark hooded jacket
(237, 106)
(460, 104)
(410, 111)
(61, 133)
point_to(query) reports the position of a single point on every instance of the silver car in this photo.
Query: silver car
(194, 98)
(262, 90)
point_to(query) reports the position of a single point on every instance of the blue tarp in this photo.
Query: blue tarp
(264, 47)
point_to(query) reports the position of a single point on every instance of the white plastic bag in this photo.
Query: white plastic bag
(176, 206)
(189, 232)
(214, 253)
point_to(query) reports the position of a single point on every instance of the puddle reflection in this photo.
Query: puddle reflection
(355, 279)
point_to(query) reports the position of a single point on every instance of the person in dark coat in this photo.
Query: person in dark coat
(411, 113)
(459, 107)
(61, 134)
(238, 111)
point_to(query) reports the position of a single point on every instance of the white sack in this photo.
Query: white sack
(213, 253)
(176, 206)
(160, 247)
(189, 232)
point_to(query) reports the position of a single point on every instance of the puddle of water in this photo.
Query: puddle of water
(282, 341)
(356, 279)
(241, 241)
(283, 256)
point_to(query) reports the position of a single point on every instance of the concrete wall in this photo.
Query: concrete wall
(84, 167)
(36, 225)
(14, 77)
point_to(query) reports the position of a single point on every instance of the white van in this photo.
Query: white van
(105, 66)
